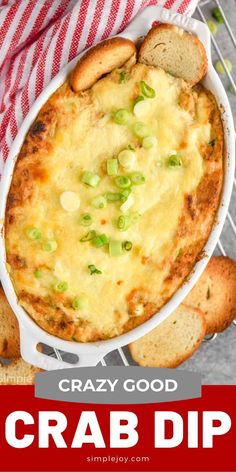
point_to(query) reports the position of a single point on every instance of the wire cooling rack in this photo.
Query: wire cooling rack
(223, 46)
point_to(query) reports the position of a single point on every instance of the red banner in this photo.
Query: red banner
(193, 453)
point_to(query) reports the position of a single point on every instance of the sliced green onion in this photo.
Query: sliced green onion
(140, 98)
(149, 142)
(33, 233)
(123, 222)
(122, 181)
(89, 178)
(113, 197)
(69, 201)
(123, 77)
(127, 158)
(125, 194)
(174, 161)
(121, 116)
(232, 89)
(220, 67)
(137, 178)
(212, 27)
(86, 219)
(141, 109)
(112, 166)
(50, 246)
(127, 245)
(93, 269)
(141, 130)
(115, 248)
(60, 287)
(130, 147)
(89, 236)
(38, 273)
(216, 13)
(146, 90)
(100, 240)
(79, 303)
(99, 202)
(127, 204)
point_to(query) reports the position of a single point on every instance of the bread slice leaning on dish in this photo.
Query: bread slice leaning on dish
(169, 47)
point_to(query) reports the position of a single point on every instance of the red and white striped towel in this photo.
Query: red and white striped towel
(38, 37)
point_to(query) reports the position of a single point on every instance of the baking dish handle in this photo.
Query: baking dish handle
(155, 13)
(30, 354)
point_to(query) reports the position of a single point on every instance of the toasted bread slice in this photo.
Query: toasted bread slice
(180, 53)
(18, 373)
(100, 60)
(173, 341)
(215, 294)
(9, 330)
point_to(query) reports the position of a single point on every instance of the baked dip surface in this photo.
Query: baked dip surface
(112, 200)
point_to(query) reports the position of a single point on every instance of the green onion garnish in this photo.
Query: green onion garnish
(99, 202)
(123, 222)
(121, 116)
(60, 287)
(91, 179)
(137, 178)
(123, 77)
(33, 233)
(113, 197)
(127, 204)
(140, 98)
(127, 158)
(115, 248)
(122, 181)
(100, 240)
(146, 90)
(232, 90)
(141, 130)
(78, 303)
(93, 270)
(212, 27)
(50, 246)
(127, 245)
(38, 273)
(220, 67)
(125, 194)
(89, 236)
(86, 219)
(174, 161)
(149, 142)
(112, 166)
(216, 13)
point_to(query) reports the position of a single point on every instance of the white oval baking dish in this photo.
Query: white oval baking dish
(91, 353)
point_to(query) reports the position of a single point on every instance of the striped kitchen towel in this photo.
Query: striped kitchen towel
(38, 37)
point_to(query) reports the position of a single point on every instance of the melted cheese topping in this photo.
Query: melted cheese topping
(83, 142)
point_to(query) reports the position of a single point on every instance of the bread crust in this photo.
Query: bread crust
(18, 373)
(153, 33)
(100, 60)
(170, 327)
(9, 330)
(215, 294)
